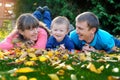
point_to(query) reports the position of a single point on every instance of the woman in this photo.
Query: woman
(28, 32)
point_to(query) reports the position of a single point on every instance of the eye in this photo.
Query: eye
(31, 29)
(61, 30)
(55, 29)
(79, 28)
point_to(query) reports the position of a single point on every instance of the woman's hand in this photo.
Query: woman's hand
(29, 43)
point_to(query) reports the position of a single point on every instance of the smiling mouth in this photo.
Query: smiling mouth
(80, 35)
(34, 36)
(58, 36)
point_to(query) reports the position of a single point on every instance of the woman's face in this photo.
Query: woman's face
(30, 34)
(59, 31)
(84, 32)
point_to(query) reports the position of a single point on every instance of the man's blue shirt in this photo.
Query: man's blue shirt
(102, 40)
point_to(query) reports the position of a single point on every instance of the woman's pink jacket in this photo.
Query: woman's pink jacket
(6, 44)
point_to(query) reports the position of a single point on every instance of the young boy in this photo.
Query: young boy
(59, 34)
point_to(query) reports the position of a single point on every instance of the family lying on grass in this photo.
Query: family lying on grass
(32, 33)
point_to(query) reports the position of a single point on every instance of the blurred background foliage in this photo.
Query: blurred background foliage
(108, 11)
(5, 29)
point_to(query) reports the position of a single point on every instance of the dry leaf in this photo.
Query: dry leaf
(24, 70)
(53, 76)
(73, 77)
(92, 68)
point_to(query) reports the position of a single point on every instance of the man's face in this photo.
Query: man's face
(83, 30)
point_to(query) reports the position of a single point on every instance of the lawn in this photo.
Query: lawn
(58, 65)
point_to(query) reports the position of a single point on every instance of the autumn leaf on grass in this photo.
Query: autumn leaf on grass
(65, 56)
(69, 67)
(53, 76)
(115, 70)
(60, 72)
(32, 79)
(34, 58)
(20, 60)
(1, 55)
(2, 78)
(31, 55)
(73, 77)
(43, 58)
(31, 50)
(50, 53)
(22, 77)
(62, 65)
(82, 57)
(29, 63)
(113, 78)
(12, 71)
(92, 68)
(24, 70)
(24, 55)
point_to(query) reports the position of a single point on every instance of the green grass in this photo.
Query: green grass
(5, 29)
(45, 68)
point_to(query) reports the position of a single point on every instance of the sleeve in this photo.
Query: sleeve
(69, 44)
(6, 44)
(49, 43)
(42, 39)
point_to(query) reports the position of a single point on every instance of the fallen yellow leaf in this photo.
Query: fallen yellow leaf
(22, 78)
(24, 70)
(53, 76)
(42, 58)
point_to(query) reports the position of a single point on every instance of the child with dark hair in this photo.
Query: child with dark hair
(28, 30)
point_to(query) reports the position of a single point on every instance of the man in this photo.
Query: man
(89, 37)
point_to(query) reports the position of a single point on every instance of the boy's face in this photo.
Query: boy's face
(30, 34)
(84, 32)
(59, 31)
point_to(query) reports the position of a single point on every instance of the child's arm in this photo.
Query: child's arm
(50, 44)
(7, 44)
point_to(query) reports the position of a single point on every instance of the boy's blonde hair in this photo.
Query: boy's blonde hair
(61, 20)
